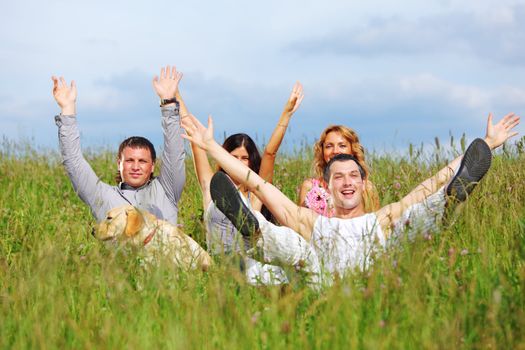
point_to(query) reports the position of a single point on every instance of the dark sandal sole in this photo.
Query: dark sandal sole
(474, 165)
(227, 199)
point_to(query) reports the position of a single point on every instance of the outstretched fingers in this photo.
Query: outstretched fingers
(299, 100)
(166, 83)
(55, 84)
(188, 124)
(489, 121)
(195, 131)
(210, 124)
(173, 72)
(500, 132)
(177, 76)
(511, 120)
(297, 90)
(295, 99)
(65, 94)
(60, 85)
(507, 123)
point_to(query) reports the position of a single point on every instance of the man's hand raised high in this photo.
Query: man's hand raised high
(66, 96)
(503, 130)
(167, 85)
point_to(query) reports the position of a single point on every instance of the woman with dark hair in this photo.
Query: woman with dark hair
(240, 141)
(221, 236)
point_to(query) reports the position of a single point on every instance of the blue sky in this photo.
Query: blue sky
(396, 72)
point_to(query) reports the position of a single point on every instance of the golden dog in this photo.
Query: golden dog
(140, 228)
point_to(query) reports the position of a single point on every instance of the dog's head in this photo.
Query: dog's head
(135, 227)
(122, 223)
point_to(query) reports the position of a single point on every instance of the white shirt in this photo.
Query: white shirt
(346, 244)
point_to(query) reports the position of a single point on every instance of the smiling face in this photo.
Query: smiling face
(346, 186)
(135, 166)
(335, 143)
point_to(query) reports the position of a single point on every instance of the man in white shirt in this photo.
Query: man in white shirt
(319, 244)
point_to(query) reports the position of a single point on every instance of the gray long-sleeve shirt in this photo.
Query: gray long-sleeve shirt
(158, 196)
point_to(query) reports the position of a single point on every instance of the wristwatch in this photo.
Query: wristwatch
(164, 102)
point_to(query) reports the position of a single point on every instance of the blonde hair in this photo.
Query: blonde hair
(370, 196)
(356, 149)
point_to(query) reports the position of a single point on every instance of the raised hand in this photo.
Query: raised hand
(198, 133)
(167, 85)
(66, 96)
(295, 99)
(500, 132)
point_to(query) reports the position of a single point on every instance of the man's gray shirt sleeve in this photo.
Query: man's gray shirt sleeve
(85, 182)
(172, 172)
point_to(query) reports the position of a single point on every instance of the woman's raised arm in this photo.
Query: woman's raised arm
(201, 163)
(270, 152)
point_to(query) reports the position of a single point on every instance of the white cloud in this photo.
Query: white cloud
(495, 35)
(381, 66)
(428, 85)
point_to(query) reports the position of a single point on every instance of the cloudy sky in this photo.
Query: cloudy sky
(397, 72)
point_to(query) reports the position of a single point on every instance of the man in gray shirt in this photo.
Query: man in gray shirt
(136, 157)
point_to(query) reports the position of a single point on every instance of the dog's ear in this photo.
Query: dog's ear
(134, 223)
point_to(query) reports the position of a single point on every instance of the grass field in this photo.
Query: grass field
(60, 288)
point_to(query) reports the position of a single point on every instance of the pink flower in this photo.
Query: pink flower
(317, 199)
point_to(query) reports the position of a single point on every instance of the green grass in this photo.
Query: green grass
(60, 288)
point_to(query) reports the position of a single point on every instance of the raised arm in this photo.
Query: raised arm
(495, 136)
(84, 180)
(172, 173)
(201, 164)
(270, 152)
(287, 212)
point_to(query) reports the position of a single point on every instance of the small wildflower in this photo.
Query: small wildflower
(397, 186)
(346, 290)
(255, 318)
(464, 252)
(497, 296)
(285, 327)
(382, 323)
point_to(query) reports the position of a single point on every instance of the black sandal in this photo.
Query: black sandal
(228, 200)
(474, 165)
